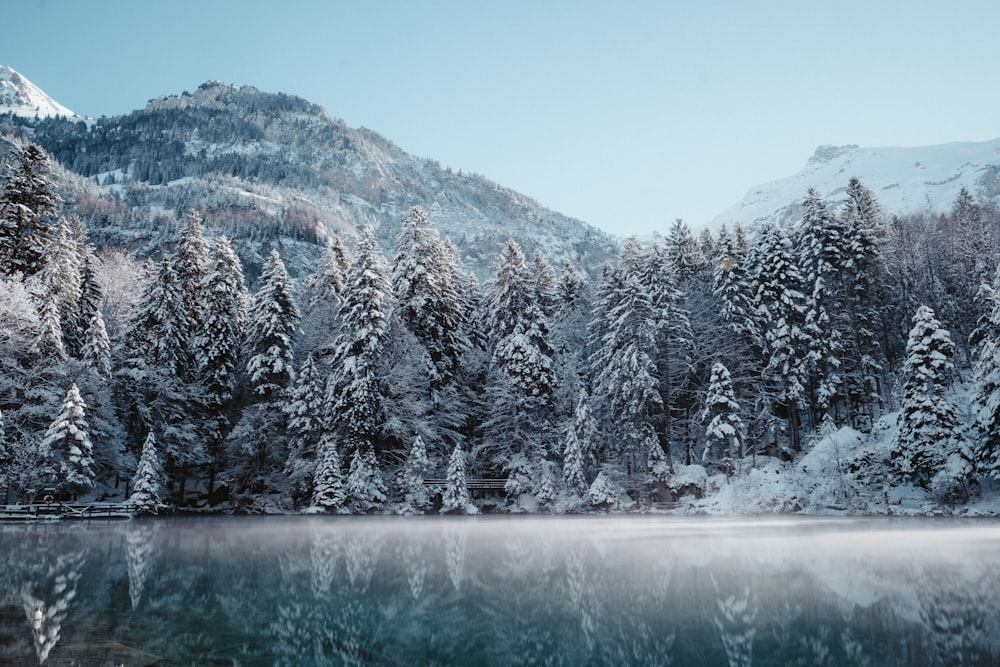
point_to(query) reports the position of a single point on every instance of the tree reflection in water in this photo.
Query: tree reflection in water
(437, 591)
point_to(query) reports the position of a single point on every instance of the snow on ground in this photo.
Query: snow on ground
(842, 473)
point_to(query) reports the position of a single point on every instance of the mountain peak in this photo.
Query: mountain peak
(21, 97)
(828, 153)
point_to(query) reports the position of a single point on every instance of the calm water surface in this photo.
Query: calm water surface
(500, 591)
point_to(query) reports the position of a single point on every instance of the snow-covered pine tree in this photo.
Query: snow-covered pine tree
(544, 288)
(545, 494)
(627, 382)
(684, 251)
(824, 257)
(674, 338)
(149, 479)
(724, 432)
(986, 398)
(220, 329)
(425, 284)
(930, 428)
(155, 397)
(96, 351)
(354, 393)
(61, 284)
(365, 488)
(322, 296)
(218, 338)
(415, 496)
(91, 296)
(569, 339)
(272, 319)
(305, 409)
(28, 205)
(780, 309)
(65, 454)
(603, 494)
(154, 336)
(508, 295)
(328, 490)
(49, 343)
(456, 493)
(191, 266)
(867, 336)
(574, 477)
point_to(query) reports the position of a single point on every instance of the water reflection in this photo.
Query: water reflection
(614, 591)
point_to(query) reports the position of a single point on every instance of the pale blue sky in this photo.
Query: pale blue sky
(624, 114)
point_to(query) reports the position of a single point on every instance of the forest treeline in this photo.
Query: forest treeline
(346, 390)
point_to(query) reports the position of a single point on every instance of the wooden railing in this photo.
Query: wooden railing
(471, 484)
(70, 510)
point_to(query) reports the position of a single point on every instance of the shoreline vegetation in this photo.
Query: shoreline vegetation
(783, 370)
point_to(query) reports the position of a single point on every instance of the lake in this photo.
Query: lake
(616, 590)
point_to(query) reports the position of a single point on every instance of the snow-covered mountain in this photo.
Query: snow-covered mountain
(905, 180)
(271, 170)
(23, 98)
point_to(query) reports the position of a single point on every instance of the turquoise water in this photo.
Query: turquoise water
(500, 591)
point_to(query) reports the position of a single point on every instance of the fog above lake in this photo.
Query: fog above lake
(505, 591)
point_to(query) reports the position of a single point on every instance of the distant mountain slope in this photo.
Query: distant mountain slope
(20, 97)
(905, 180)
(273, 170)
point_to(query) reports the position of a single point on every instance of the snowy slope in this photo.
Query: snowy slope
(905, 180)
(23, 98)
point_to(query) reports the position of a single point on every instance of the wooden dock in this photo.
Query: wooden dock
(56, 511)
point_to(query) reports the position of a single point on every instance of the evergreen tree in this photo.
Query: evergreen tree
(674, 338)
(425, 284)
(780, 310)
(724, 432)
(684, 251)
(867, 333)
(191, 266)
(27, 207)
(154, 336)
(96, 350)
(49, 343)
(628, 381)
(149, 479)
(415, 495)
(986, 397)
(930, 428)
(305, 411)
(61, 285)
(355, 394)
(508, 294)
(545, 494)
(603, 494)
(574, 478)
(328, 490)
(322, 299)
(65, 454)
(151, 387)
(456, 494)
(217, 344)
(823, 257)
(544, 288)
(90, 301)
(272, 319)
(365, 489)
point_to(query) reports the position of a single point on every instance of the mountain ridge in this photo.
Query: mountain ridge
(905, 180)
(21, 97)
(275, 170)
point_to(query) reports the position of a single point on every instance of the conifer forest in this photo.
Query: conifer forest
(387, 378)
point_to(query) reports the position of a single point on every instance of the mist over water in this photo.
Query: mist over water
(501, 591)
